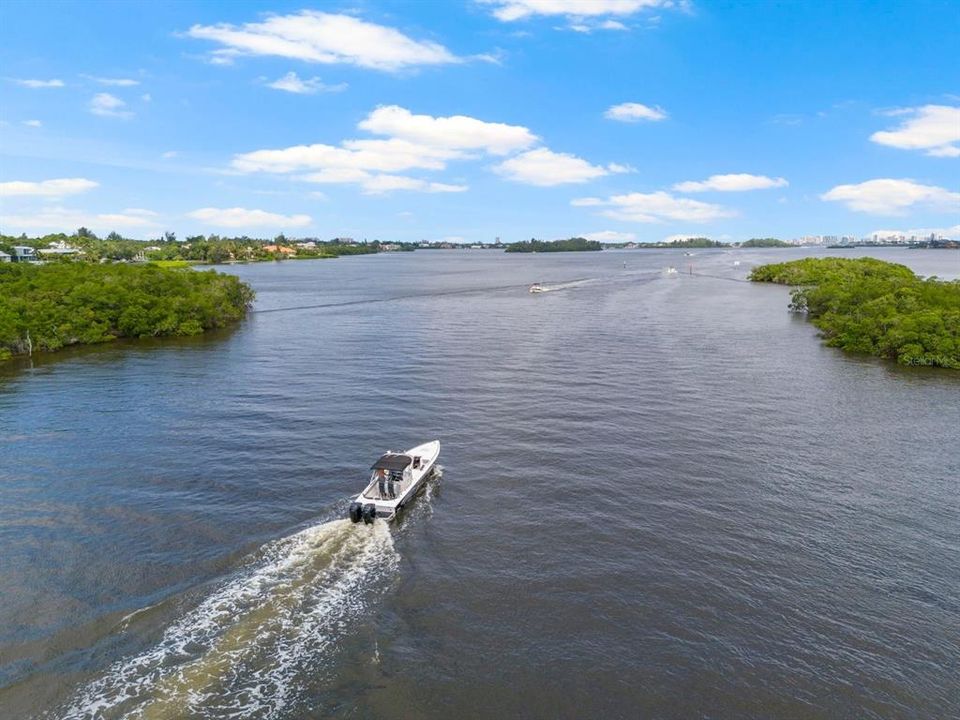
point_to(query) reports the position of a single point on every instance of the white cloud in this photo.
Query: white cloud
(107, 105)
(610, 236)
(934, 128)
(420, 142)
(292, 83)
(457, 132)
(389, 155)
(47, 188)
(58, 219)
(655, 207)
(33, 123)
(169, 154)
(510, 10)
(952, 232)
(319, 37)
(634, 112)
(37, 83)
(379, 184)
(545, 168)
(241, 217)
(115, 82)
(736, 182)
(887, 196)
(146, 97)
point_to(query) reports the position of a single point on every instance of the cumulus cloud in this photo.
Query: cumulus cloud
(107, 105)
(510, 10)
(887, 196)
(634, 112)
(47, 188)
(610, 236)
(736, 182)
(56, 219)
(115, 82)
(319, 37)
(391, 155)
(545, 168)
(422, 142)
(933, 128)
(655, 207)
(292, 83)
(30, 83)
(457, 132)
(413, 142)
(33, 123)
(242, 218)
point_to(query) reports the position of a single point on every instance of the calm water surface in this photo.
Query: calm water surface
(661, 497)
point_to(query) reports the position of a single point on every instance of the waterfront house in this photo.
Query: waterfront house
(59, 248)
(24, 253)
(4, 257)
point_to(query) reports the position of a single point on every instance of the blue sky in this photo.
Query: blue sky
(616, 119)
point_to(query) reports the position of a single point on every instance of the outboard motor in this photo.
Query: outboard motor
(369, 513)
(356, 509)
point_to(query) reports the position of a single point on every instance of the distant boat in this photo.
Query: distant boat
(688, 254)
(671, 271)
(536, 288)
(396, 478)
(736, 263)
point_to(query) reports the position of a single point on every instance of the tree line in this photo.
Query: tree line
(212, 249)
(571, 245)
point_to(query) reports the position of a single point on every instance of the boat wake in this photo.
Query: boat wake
(554, 287)
(241, 652)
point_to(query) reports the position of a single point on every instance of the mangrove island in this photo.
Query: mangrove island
(576, 244)
(47, 307)
(869, 306)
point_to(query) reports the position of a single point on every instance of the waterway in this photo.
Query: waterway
(661, 497)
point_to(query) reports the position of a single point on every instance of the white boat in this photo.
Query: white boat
(395, 480)
(536, 287)
(671, 270)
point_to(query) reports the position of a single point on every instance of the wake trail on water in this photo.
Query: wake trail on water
(240, 652)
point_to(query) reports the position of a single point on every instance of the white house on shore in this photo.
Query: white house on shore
(59, 248)
(24, 253)
(4, 257)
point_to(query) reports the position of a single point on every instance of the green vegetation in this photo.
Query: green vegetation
(693, 242)
(209, 249)
(764, 243)
(572, 245)
(46, 307)
(869, 306)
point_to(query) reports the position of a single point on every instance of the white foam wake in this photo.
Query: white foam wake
(239, 652)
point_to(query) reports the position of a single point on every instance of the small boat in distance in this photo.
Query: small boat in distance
(536, 288)
(395, 480)
(671, 270)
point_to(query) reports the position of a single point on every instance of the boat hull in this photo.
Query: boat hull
(387, 508)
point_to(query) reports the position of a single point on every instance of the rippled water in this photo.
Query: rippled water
(661, 497)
